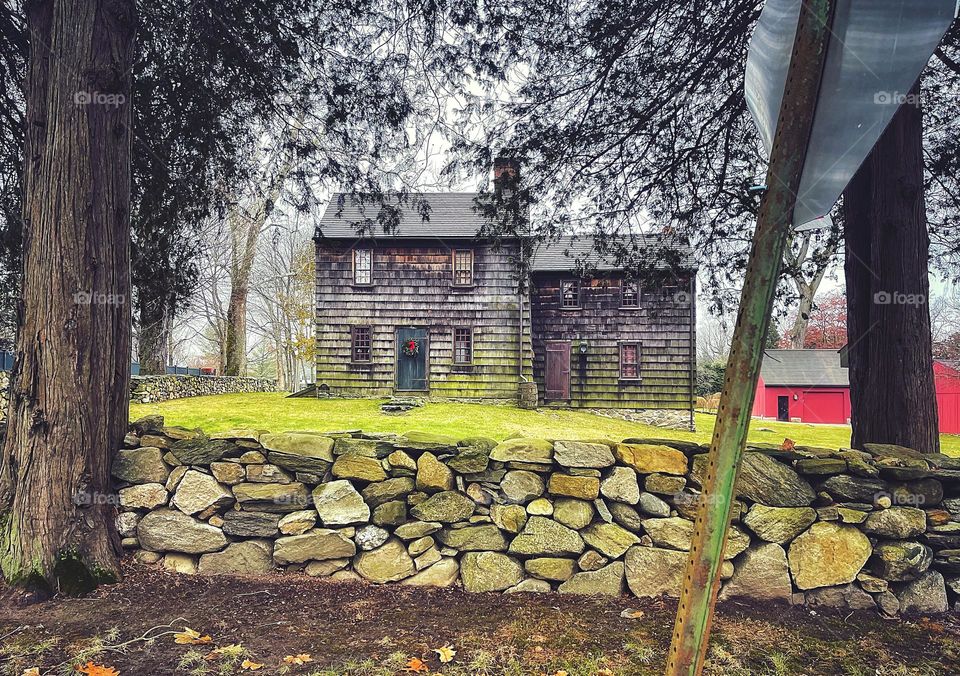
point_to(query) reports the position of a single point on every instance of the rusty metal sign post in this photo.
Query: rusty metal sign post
(702, 579)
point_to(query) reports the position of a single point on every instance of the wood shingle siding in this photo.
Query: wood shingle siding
(662, 326)
(413, 287)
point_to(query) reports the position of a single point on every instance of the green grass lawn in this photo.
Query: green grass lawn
(276, 413)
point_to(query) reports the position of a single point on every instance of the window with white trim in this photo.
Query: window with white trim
(629, 361)
(463, 267)
(363, 267)
(630, 294)
(462, 345)
(570, 293)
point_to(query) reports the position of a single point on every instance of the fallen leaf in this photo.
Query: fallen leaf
(232, 650)
(190, 637)
(604, 672)
(446, 653)
(299, 658)
(32, 671)
(788, 444)
(92, 669)
(416, 665)
(251, 666)
(631, 613)
(561, 673)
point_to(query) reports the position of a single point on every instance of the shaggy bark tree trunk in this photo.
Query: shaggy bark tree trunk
(888, 318)
(70, 388)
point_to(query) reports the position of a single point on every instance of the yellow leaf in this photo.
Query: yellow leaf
(446, 653)
(299, 658)
(190, 637)
(32, 671)
(92, 669)
(251, 666)
(604, 672)
(416, 665)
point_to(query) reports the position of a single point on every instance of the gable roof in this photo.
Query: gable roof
(451, 215)
(804, 368)
(564, 254)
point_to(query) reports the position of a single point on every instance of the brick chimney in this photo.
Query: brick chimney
(506, 171)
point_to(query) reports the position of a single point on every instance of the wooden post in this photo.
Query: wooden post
(702, 579)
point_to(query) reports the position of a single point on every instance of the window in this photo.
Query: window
(630, 294)
(360, 344)
(363, 267)
(570, 293)
(462, 346)
(629, 361)
(463, 267)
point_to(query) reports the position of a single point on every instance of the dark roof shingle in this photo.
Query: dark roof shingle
(804, 368)
(566, 253)
(451, 215)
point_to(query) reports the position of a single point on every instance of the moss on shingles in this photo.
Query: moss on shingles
(275, 412)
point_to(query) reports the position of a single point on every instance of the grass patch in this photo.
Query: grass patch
(275, 412)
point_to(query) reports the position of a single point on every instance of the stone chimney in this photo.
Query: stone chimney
(506, 171)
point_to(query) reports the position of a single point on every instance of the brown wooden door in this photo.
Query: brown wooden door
(557, 370)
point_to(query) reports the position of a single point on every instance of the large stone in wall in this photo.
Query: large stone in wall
(844, 597)
(445, 507)
(470, 460)
(900, 561)
(607, 581)
(655, 572)
(609, 539)
(582, 454)
(523, 450)
(761, 573)
(764, 480)
(339, 504)
(573, 513)
(621, 486)
(580, 487)
(847, 488)
(201, 450)
(141, 466)
(299, 452)
(896, 523)
(779, 524)
(489, 571)
(239, 558)
(485, 537)
(551, 568)
(317, 545)
(251, 524)
(371, 448)
(143, 496)
(170, 530)
(545, 537)
(358, 468)
(386, 491)
(272, 497)
(510, 518)
(651, 458)
(416, 530)
(444, 573)
(676, 533)
(521, 486)
(388, 563)
(925, 595)
(828, 554)
(197, 492)
(433, 475)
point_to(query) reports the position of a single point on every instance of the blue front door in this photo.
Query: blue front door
(412, 349)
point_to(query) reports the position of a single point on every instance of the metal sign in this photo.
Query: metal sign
(877, 50)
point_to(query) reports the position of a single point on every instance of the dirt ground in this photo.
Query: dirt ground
(365, 630)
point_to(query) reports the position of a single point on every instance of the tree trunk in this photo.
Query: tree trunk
(888, 317)
(70, 388)
(235, 363)
(152, 339)
(797, 334)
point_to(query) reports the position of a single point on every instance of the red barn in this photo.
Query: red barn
(812, 386)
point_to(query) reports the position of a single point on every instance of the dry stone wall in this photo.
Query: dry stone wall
(877, 528)
(153, 389)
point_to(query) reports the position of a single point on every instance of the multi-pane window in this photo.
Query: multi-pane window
(462, 346)
(570, 293)
(360, 344)
(363, 266)
(629, 361)
(630, 294)
(463, 267)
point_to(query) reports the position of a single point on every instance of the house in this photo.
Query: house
(434, 309)
(813, 386)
